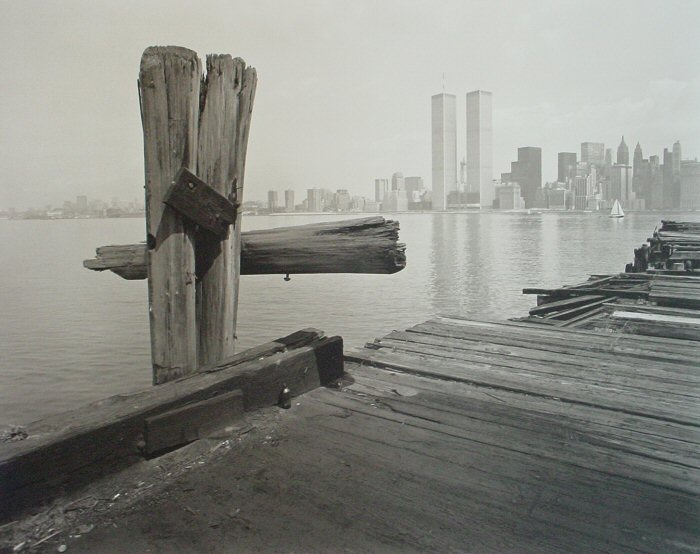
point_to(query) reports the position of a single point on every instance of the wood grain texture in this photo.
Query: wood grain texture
(227, 96)
(169, 82)
(366, 245)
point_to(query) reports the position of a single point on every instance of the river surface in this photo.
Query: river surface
(69, 336)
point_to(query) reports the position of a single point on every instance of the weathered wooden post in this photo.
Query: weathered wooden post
(193, 125)
(195, 132)
(226, 107)
(169, 84)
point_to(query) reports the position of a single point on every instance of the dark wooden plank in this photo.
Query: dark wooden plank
(67, 450)
(191, 422)
(579, 310)
(563, 304)
(200, 203)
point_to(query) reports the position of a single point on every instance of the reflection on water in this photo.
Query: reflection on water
(69, 336)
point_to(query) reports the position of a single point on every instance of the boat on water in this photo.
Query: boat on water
(617, 210)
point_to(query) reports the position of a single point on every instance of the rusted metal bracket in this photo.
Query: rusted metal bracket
(197, 201)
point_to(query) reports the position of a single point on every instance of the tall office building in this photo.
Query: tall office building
(593, 153)
(527, 172)
(690, 184)
(480, 148)
(289, 200)
(314, 200)
(397, 181)
(272, 200)
(623, 153)
(381, 186)
(566, 166)
(444, 146)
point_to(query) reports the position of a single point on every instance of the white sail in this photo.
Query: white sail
(617, 210)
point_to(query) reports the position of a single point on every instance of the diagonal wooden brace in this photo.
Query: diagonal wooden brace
(197, 201)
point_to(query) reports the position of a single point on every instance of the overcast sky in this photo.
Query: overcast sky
(344, 87)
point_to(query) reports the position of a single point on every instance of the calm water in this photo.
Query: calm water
(69, 336)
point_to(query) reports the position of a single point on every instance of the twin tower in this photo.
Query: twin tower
(447, 183)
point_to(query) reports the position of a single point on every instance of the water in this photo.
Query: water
(69, 336)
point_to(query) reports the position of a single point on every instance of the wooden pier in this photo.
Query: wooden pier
(454, 435)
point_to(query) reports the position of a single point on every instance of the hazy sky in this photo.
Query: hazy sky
(344, 87)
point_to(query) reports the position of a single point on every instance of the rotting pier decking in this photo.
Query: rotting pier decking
(571, 435)
(455, 435)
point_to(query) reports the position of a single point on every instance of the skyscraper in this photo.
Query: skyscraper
(527, 172)
(381, 186)
(623, 153)
(397, 181)
(272, 200)
(480, 147)
(289, 200)
(444, 146)
(566, 166)
(593, 153)
(314, 200)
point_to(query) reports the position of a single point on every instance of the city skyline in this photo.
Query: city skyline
(356, 110)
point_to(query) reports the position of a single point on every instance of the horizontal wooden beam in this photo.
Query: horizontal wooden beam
(68, 450)
(367, 245)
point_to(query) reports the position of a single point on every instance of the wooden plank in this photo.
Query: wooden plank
(676, 440)
(666, 346)
(366, 245)
(579, 310)
(529, 363)
(227, 104)
(169, 92)
(574, 359)
(191, 422)
(562, 304)
(663, 408)
(200, 203)
(651, 309)
(595, 343)
(68, 450)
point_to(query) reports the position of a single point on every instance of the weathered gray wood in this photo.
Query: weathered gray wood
(226, 108)
(367, 245)
(169, 82)
(71, 448)
(200, 203)
(191, 422)
(447, 470)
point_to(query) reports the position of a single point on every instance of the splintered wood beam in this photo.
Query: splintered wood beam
(226, 105)
(367, 245)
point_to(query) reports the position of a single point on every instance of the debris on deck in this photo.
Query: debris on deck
(659, 302)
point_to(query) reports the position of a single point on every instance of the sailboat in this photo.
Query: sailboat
(617, 210)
